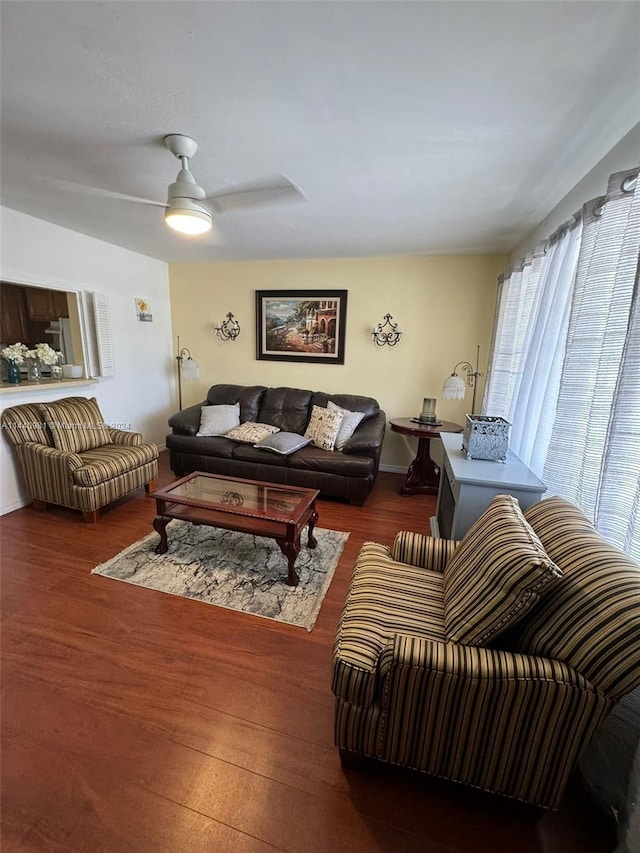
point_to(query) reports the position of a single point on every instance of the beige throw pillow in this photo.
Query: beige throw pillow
(498, 572)
(251, 432)
(324, 426)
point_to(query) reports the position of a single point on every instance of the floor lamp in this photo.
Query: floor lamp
(187, 368)
(455, 388)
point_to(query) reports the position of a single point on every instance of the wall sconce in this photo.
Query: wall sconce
(187, 368)
(229, 329)
(386, 333)
(455, 388)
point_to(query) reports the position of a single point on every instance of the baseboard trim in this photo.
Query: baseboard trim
(13, 505)
(394, 469)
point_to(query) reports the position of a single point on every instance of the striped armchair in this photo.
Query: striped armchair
(492, 661)
(70, 457)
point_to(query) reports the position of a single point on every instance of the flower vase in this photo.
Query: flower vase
(34, 371)
(56, 369)
(13, 372)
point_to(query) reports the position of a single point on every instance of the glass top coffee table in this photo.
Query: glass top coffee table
(247, 506)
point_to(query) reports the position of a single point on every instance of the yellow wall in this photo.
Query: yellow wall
(444, 305)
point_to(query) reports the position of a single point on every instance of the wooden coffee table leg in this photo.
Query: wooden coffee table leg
(160, 526)
(313, 520)
(290, 551)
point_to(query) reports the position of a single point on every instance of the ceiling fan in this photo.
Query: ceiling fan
(187, 208)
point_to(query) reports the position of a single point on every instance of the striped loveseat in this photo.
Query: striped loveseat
(70, 457)
(489, 662)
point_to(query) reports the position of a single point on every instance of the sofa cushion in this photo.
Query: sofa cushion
(76, 424)
(218, 420)
(323, 427)
(385, 598)
(592, 619)
(348, 425)
(284, 443)
(316, 459)
(249, 397)
(250, 432)
(110, 460)
(286, 408)
(496, 574)
(217, 447)
(248, 453)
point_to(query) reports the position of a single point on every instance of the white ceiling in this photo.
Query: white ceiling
(413, 128)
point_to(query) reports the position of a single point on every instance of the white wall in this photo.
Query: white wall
(142, 390)
(624, 155)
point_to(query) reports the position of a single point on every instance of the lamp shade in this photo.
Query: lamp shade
(454, 388)
(190, 368)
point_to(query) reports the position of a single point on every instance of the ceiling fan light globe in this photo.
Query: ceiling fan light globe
(187, 217)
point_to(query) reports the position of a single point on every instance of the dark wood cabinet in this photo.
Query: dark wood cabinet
(25, 312)
(13, 316)
(45, 305)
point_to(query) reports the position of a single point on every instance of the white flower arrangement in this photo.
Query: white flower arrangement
(44, 353)
(15, 352)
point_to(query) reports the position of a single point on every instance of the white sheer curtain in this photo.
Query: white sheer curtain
(565, 364)
(594, 454)
(529, 340)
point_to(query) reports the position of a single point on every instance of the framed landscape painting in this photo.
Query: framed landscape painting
(301, 325)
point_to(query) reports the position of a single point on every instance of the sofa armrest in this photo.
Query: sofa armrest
(129, 439)
(427, 552)
(48, 472)
(367, 439)
(494, 719)
(187, 422)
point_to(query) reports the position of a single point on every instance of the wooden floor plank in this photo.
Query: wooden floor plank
(134, 720)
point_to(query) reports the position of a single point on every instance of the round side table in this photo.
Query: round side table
(423, 476)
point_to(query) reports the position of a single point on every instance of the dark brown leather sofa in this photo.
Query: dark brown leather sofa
(349, 473)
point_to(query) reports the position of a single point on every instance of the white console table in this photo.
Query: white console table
(467, 487)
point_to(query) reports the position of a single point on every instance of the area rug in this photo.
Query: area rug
(234, 570)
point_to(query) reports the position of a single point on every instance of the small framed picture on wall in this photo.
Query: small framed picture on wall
(143, 310)
(301, 325)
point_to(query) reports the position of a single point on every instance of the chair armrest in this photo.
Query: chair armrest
(476, 663)
(428, 552)
(130, 439)
(187, 422)
(498, 720)
(367, 438)
(48, 472)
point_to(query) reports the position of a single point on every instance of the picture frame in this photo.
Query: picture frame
(143, 310)
(301, 325)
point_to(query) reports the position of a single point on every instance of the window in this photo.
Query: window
(565, 362)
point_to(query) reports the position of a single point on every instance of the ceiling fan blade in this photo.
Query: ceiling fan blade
(271, 190)
(85, 188)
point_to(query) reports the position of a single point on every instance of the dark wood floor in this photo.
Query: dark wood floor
(138, 721)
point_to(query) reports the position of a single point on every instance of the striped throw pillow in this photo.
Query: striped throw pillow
(496, 575)
(76, 424)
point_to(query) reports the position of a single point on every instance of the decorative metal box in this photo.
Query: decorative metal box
(485, 437)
